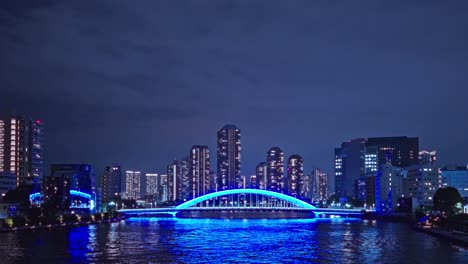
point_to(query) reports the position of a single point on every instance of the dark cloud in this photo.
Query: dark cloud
(139, 82)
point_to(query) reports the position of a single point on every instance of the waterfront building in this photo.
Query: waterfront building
(21, 149)
(229, 157)
(261, 173)
(152, 184)
(186, 184)
(179, 183)
(319, 183)
(424, 179)
(457, 177)
(388, 187)
(111, 183)
(200, 171)
(360, 158)
(275, 170)
(71, 187)
(295, 178)
(132, 184)
(349, 167)
(163, 188)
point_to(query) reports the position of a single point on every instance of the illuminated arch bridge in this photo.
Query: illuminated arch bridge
(243, 201)
(245, 198)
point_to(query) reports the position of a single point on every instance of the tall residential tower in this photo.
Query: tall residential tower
(229, 157)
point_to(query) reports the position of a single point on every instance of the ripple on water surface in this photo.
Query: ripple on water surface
(167, 240)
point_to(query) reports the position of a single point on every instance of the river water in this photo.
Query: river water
(166, 240)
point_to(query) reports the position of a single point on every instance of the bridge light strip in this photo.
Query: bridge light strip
(281, 196)
(82, 194)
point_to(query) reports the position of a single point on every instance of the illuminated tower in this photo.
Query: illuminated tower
(200, 170)
(21, 149)
(111, 183)
(296, 176)
(229, 157)
(275, 170)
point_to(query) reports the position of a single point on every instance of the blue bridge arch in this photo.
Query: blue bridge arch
(284, 197)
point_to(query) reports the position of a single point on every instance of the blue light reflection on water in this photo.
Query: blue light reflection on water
(169, 240)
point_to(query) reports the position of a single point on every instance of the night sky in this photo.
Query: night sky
(139, 82)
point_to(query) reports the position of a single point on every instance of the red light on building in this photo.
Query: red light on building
(38, 121)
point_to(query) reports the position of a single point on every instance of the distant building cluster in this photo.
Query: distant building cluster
(383, 172)
(375, 172)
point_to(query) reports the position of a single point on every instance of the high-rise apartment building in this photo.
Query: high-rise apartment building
(21, 149)
(179, 183)
(261, 173)
(111, 183)
(132, 184)
(186, 184)
(319, 182)
(295, 178)
(275, 170)
(253, 182)
(163, 188)
(229, 157)
(199, 171)
(152, 184)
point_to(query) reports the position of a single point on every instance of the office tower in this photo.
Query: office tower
(253, 182)
(457, 177)
(199, 171)
(229, 157)
(349, 166)
(319, 182)
(21, 149)
(152, 184)
(295, 178)
(70, 186)
(261, 173)
(132, 184)
(424, 179)
(275, 170)
(111, 183)
(398, 151)
(388, 187)
(370, 161)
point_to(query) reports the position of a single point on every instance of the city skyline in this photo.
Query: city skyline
(170, 77)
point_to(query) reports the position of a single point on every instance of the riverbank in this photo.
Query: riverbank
(459, 239)
(50, 226)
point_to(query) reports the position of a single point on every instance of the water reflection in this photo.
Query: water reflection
(157, 240)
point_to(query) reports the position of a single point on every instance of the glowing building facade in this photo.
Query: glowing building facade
(295, 179)
(275, 170)
(229, 157)
(199, 171)
(21, 149)
(132, 184)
